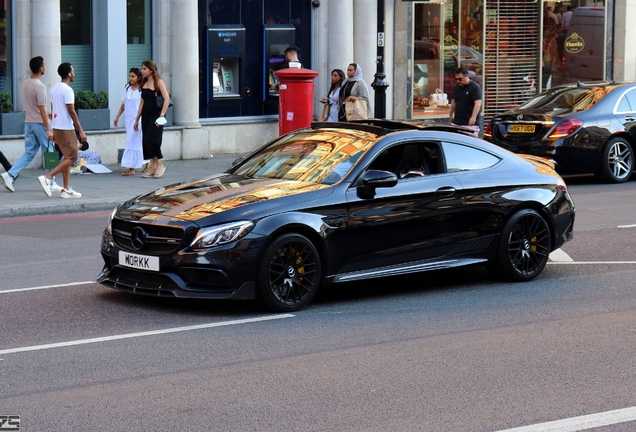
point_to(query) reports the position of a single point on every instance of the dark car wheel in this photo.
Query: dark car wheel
(525, 246)
(618, 161)
(289, 273)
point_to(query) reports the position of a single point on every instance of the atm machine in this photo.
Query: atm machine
(276, 38)
(226, 65)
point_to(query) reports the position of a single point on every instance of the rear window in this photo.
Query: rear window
(575, 99)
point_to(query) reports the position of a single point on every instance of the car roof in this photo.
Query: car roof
(591, 84)
(411, 129)
(381, 127)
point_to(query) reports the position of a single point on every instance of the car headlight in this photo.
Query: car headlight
(221, 234)
(109, 228)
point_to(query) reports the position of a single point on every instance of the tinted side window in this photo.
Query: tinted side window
(462, 158)
(628, 102)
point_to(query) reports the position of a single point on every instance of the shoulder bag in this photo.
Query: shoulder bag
(324, 114)
(159, 100)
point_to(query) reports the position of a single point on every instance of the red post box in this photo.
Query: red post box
(296, 98)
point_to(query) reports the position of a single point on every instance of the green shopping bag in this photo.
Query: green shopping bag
(51, 157)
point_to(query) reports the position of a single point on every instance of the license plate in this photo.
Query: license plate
(518, 128)
(142, 262)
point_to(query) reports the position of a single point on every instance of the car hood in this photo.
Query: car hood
(222, 193)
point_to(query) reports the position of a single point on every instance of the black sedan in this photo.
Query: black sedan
(584, 128)
(336, 203)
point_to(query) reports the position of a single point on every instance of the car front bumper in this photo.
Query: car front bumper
(224, 272)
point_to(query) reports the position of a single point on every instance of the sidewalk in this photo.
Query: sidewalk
(100, 192)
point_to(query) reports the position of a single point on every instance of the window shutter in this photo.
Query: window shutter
(511, 60)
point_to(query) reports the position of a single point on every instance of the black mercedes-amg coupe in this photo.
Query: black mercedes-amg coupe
(340, 202)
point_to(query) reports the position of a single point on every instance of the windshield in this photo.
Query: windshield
(311, 156)
(575, 99)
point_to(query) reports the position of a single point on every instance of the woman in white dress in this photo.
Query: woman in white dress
(337, 78)
(133, 157)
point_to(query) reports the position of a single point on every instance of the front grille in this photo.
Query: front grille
(159, 239)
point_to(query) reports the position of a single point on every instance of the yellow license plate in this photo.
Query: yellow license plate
(522, 128)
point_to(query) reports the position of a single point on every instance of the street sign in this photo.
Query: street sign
(380, 39)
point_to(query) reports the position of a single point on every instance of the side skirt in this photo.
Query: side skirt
(412, 267)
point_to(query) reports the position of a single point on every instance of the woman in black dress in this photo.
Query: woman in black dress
(152, 117)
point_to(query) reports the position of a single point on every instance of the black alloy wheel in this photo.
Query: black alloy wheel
(289, 273)
(525, 246)
(618, 161)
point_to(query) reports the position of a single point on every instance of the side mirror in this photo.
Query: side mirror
(373, 179)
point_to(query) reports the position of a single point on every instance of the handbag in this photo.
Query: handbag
(51, 157)
(324, 114)
(356, 110)
(160, 101)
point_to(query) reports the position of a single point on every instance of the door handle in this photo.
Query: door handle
(445, 191)
(630, 118)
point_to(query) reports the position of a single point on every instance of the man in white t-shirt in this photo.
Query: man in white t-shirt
(37, 132)
(64, 122)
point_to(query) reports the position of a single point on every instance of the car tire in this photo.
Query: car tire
(618, 161)
(525, 246)
(289, 273)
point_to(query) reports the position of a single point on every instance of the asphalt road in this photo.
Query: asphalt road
(441, 351)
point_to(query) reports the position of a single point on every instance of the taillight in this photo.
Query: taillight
(488, 131)
(565, 128)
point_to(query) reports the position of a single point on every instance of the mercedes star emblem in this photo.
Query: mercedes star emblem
(138, 238)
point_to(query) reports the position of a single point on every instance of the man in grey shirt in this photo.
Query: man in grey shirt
(37, 132)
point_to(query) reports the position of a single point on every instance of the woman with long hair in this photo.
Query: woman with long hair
(152, 117)
(353, 89)
(337, 79)
(133, 157)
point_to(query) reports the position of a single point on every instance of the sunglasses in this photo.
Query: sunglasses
(459, 79)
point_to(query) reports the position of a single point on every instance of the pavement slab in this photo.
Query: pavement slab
(100, 192)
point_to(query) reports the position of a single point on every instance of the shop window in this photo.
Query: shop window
(77, 47)
(446, 36)
(5, 48)
(254, 16)
(139, 28)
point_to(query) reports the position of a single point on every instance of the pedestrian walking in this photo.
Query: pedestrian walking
(64, 122)
(353, 89)
(337, 78)
(37, 132)
(152, 117)
(465, 107)
(133, 157)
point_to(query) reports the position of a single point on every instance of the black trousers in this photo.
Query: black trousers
(5, 163)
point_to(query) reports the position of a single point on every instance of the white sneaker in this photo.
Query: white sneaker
(8, 182)
(70, 193)
(46, 185)
(55, 187)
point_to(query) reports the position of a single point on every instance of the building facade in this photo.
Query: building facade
(219, 57)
